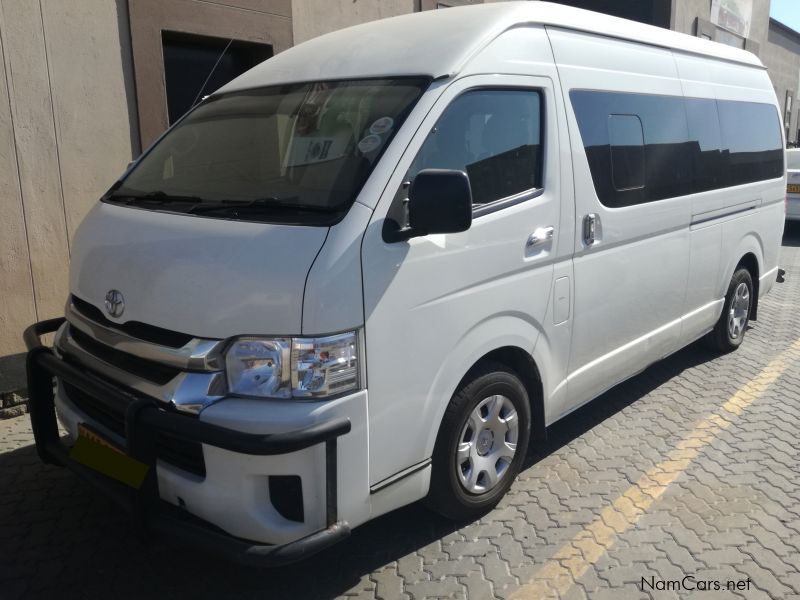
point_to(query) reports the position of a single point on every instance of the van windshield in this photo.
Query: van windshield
(295, 153)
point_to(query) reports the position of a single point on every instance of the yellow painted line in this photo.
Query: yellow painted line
(572, 560)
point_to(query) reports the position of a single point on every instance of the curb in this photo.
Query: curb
(12, 404)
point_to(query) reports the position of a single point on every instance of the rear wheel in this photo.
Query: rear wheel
(481, 445)
(729, 331)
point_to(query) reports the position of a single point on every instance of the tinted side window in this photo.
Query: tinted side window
(709, 169)
(657, 155)
(751, 138)
(626, 140)
(690, 145)
(494, 136)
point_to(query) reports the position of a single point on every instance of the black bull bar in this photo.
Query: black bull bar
(143, 420)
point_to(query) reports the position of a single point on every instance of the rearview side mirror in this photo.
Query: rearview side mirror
(439, 201)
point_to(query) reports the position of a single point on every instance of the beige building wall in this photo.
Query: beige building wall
(262, 21)
(686, 12)
(781, 55)
(66, 132)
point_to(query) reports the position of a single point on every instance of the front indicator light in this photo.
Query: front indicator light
(324, 366)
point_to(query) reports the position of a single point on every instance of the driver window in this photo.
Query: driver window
(494, 136)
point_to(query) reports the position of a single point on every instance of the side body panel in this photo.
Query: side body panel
(435, 305)
(793, 198)
(731, 222)
(630, 283)
(793, 184)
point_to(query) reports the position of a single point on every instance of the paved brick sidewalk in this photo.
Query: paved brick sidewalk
(690, 468)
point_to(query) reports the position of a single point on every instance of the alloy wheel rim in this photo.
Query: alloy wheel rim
(739, 311)
(487, 444)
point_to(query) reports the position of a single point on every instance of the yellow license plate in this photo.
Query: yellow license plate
(96, 452)
(793, 188)
(87, 432)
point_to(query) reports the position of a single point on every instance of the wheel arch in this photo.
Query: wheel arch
(524, 366)
(515, 358)
(749, 254)
(750, 262)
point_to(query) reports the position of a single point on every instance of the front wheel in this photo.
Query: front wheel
(481, 444)
(729, 331)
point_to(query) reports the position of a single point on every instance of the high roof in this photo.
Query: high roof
(440, 42)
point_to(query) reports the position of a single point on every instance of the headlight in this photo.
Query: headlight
(259, 367)
(293, 367)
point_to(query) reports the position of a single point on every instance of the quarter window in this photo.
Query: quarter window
(494, 136)
(751, 136)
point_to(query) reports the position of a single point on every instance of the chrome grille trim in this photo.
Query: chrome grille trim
(199, 354)
(188, 391)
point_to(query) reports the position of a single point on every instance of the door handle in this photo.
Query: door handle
(590, 222)
(540, 236)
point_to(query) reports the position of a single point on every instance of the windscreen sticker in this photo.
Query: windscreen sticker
(369, 143)
(308, 150)
(382, 125)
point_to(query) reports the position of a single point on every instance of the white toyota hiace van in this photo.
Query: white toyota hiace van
(376, 267)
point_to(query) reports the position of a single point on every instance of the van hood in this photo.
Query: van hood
(211, 278)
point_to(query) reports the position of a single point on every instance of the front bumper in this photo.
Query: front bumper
(143, 421)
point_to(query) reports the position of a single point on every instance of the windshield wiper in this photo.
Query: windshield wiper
(259, 204)
(156, 197)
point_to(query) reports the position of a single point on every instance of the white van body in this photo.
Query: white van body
(793, 184)
(524, 284)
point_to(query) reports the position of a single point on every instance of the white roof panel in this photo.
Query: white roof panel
(439, 42)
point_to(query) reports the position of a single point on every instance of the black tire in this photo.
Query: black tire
(721, 338)
(447, 495)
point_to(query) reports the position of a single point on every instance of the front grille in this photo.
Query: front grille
(142, 331)
(146, 369)
(184, 455)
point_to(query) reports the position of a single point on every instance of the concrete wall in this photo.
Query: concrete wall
(262, 21)
(777, 47)
(685, 12)
(66, 131)
(781, 55)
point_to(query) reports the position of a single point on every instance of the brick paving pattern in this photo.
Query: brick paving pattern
(690, 468)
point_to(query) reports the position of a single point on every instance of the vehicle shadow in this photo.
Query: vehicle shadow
(791, 234)
(618, 398)
(57, 535)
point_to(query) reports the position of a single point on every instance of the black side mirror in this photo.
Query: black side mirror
(439, 201)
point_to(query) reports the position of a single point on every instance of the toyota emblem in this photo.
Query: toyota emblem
(115, 303)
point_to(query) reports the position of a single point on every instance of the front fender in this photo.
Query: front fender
(498, 331)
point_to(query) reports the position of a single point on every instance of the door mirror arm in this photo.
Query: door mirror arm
(402, 234)
(439, 201)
